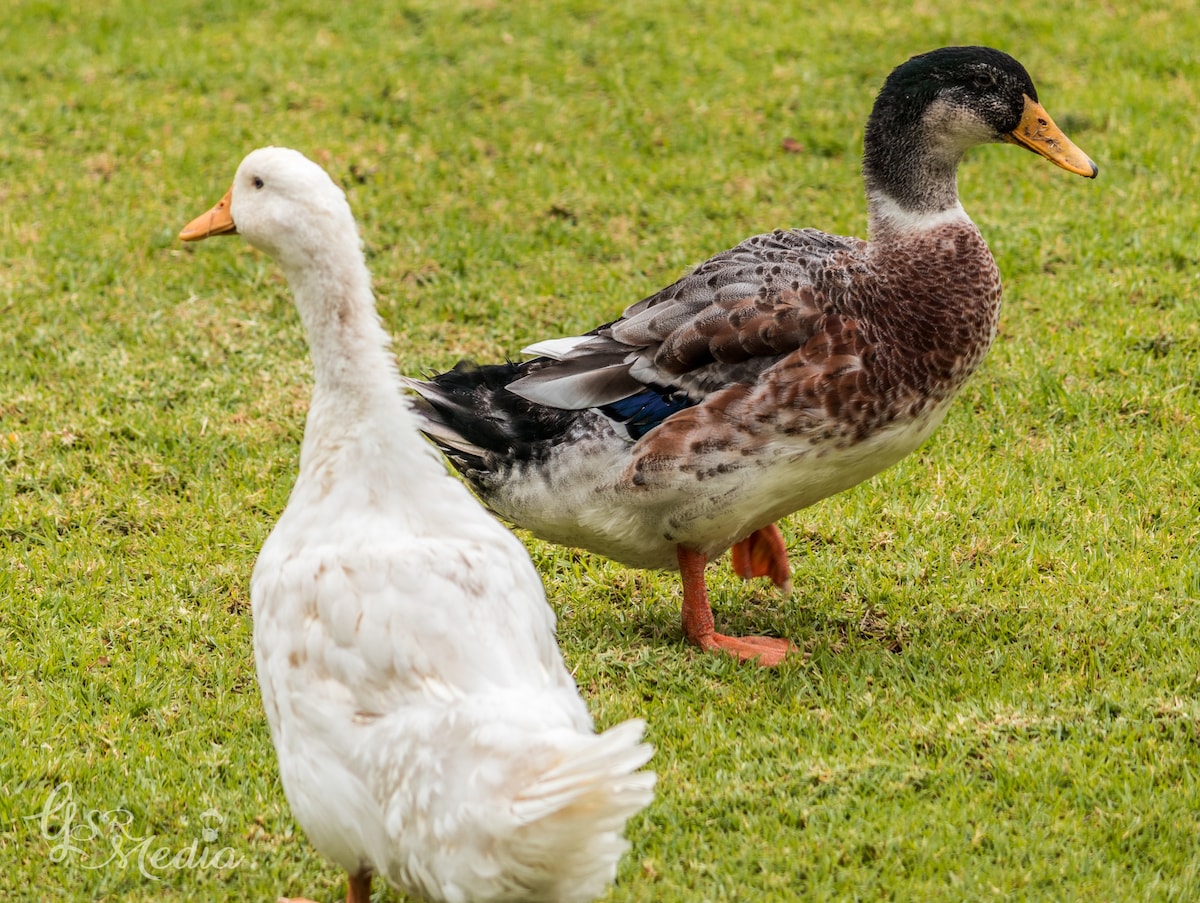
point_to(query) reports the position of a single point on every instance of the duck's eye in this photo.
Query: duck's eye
(985, 81)
(258, 183)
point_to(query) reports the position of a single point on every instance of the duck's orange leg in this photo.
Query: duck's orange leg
(763, 554)
(698, 619)
(358, 888)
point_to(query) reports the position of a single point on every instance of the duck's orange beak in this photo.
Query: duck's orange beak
(217, 221)
(1037, 132)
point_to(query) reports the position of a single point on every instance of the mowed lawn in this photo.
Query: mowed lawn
(998, 698)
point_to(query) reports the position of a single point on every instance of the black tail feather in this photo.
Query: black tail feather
(498, 428)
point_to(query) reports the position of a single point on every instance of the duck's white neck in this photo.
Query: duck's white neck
(349, 346)
(889, 219)
(357, 399)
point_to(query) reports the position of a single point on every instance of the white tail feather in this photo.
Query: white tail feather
(574, 813)
(573, 391)
(508, 805)
(607, 763)
(556, 348)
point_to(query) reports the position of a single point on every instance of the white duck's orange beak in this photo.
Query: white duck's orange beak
(217, 221)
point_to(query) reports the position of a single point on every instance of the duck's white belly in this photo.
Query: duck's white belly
(583, 498)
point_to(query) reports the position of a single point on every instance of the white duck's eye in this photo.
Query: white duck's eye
(258, 183)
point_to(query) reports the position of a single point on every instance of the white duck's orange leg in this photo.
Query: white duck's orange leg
(763, 554)
(698, 619)
(358, 888)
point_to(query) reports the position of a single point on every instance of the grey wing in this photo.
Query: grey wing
(734, 316)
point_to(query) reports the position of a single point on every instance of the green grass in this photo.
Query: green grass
(1001, 694)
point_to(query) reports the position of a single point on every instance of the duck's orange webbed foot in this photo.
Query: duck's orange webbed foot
(698, 620)
(763, 554)
(764, 651)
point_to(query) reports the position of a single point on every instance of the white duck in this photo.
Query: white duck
(426, 727)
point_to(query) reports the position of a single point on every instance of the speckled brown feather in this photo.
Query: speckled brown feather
(735, 315)
(831, 361)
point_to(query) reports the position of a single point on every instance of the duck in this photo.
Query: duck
(775, 374)
(426, 727)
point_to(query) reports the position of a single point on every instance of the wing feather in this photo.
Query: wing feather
(734, 316)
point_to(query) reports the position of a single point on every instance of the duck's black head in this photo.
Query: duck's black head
(982, 83)
(934, 107)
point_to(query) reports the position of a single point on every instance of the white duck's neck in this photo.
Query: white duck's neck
(357, 400)
(349, 346)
